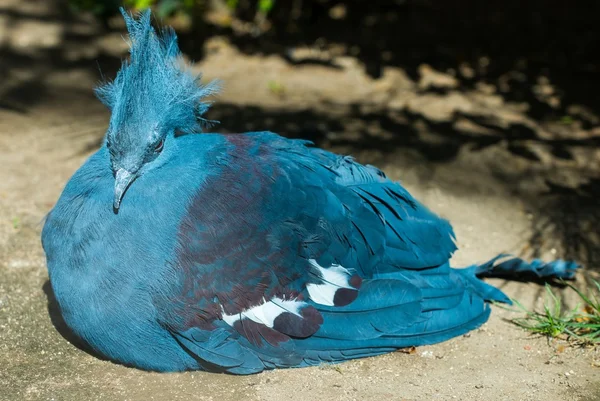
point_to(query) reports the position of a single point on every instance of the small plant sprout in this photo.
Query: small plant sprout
(581, 325)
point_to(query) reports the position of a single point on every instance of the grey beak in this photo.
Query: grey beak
(123, 179)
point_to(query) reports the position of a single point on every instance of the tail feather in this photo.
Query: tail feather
(481, 288)
(515, 267)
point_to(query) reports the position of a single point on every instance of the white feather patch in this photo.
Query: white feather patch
(334, 278)
(267, 312)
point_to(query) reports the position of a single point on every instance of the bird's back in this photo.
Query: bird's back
(290, 255)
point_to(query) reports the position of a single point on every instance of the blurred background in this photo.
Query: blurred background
(496, 97)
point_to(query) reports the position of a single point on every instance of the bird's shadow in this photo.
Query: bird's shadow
(61, 326)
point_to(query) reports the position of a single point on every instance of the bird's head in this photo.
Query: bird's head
(152, 98)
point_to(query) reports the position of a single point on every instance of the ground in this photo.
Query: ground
(432, 141)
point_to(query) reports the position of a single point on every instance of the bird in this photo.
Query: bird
(174, 249)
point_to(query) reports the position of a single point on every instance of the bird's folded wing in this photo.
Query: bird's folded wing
(284, 242)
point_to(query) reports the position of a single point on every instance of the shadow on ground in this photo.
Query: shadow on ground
(40, 42)
(510, 44)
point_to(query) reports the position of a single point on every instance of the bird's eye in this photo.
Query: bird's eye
(159, 146)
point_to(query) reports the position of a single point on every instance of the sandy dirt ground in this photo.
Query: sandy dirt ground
(42, 145)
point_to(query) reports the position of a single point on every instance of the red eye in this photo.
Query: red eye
(159, 146)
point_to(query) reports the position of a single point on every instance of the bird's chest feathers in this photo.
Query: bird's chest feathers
(103, 266)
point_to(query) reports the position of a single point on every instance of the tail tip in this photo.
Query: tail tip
(564, 269)
(561, 269)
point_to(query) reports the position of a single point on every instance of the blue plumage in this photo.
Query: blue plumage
(172, 251)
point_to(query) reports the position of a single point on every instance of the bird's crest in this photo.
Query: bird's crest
(154, 83)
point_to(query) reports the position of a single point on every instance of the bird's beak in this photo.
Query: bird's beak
(123, 179)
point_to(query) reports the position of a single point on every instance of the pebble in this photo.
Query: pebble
(427, 354)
